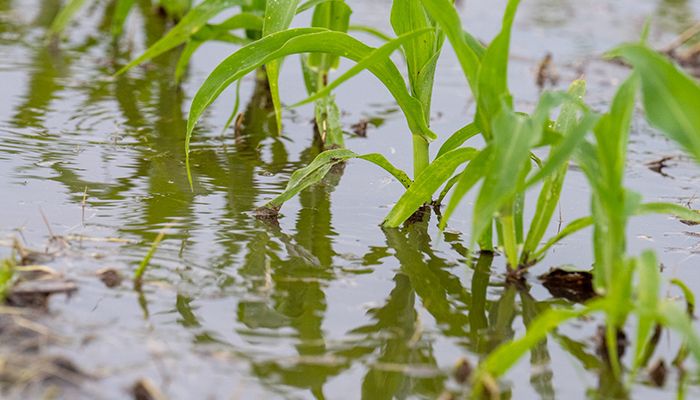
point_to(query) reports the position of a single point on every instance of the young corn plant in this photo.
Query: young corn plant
(504, 165)
(603, 162)
(415, 30)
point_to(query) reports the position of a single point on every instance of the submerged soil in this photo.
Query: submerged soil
(324, 304)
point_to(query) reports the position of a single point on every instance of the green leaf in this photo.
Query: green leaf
(322, 164)
(65, 16)
(278, 17)
(492, 91)
(556, 166)
(371, 31)
(458, 138)
(443, 12)
(335, 16)
(427, 183)
(671, 315)
(688, 293)
(499, 361)
(190, 24)
(302, 40)
(514, 136)
(421, 52)
(670, 209)
(472, 174)
(573, 227)
(376, 57)
(647, 302)
(671, 97)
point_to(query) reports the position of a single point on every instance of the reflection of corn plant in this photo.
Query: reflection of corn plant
(175, 9)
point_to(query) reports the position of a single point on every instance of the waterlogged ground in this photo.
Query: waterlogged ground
(327, 304)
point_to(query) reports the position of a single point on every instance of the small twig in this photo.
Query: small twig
(48, 226)
(82, 205)
(682, 38)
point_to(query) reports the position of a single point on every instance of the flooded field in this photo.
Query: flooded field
(325, 304)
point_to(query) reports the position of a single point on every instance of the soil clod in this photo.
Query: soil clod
(110, 277)
(144, 389)
(657, 373)
(575, 286)
(267, 213)
(360, 128)
(463, 370)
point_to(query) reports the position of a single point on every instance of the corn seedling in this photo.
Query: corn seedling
(612, 205)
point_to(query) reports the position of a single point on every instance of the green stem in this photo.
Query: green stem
(421, 155)
(510, 241)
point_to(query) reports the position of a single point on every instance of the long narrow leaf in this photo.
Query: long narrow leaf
(671, 97)
(458, 138)
(278, 17)
(322, 164)
(427, 183)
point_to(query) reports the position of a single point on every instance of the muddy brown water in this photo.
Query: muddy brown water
(327, 304)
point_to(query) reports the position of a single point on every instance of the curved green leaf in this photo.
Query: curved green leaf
(671, 97)
(427, 183)
(278, 17)
(322, 164)
(371, 31)
(669, 208)
(302, 40)
(458, 138)
(472, 174)
(573, 227)
(376, 56)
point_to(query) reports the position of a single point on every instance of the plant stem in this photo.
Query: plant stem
(510, 240)
(421, 155)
